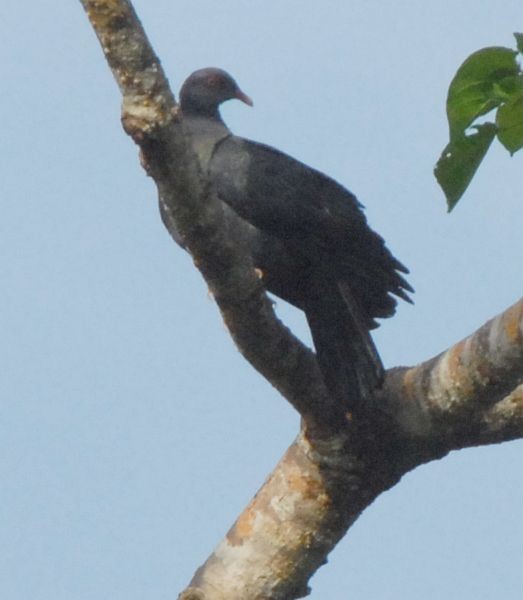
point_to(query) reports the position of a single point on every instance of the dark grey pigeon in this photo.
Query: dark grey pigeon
(308, 237)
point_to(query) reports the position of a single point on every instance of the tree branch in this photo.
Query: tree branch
(319, 488)
(150, 117)
(285, 534)
(467, 396)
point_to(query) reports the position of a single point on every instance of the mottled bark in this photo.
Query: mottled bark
(466, 391)
(469, 395)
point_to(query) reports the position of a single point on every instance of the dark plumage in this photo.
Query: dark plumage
(309, 238)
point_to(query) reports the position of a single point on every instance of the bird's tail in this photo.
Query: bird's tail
(347, 357)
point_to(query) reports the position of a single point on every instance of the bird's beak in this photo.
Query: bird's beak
(243, 97)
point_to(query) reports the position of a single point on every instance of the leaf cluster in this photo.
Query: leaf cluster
(489, 79)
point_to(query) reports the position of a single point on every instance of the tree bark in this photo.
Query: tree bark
(469, 395)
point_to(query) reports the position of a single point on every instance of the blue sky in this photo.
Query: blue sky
(132, 431)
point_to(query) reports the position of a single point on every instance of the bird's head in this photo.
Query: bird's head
(204, 91)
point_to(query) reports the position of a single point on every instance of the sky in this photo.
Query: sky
(132, 432)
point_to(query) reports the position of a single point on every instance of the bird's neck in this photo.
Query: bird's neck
(205, 133)
(195, 108)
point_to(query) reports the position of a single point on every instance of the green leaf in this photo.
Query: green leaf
(509, 120)
(507, 87)
(480, 84)
(460, 160)
(519, 41)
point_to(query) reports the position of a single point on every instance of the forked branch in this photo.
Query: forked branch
(469, 395)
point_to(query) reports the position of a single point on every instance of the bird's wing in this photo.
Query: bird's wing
(282, 195)
(312, 214)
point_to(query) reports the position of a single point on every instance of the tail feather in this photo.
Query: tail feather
(347, 357)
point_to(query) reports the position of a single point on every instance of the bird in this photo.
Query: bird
(308, 239)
